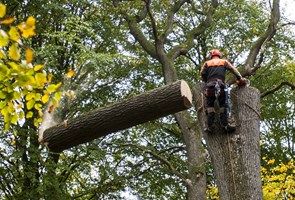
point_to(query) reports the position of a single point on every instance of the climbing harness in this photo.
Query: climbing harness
(217, 89)
(227, 100)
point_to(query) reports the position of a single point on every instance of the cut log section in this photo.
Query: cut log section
(136, 110)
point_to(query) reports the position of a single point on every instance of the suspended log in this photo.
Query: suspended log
(136, 110)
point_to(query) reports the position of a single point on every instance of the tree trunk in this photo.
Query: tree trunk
(148, 106)
(236, 156)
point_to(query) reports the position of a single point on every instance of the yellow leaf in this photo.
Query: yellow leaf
(45, 98)
(2, 10)
(53, 87)
(31, 21)
(11, 106)
(28, 28)
(41, 78)
(38, 106)
(5, 110)
(7, 20)
(30, 80)
(38, 67)
(19, 106)
(16, 95)
(29, 114)
(2, 95)
(29, 55)
(37, 97)
(2, 53)
(271, 161)
(2, 104)
(30, 96)
(14, 119)
(4, 39)
(7, 126)
(4, 70)
(14, 34)
(21, 114)
(14, 52)
(37, 121)
(50, 77)
(40, 113)
(70, 73)
(55, 103)
(30, 104)
(57, 95)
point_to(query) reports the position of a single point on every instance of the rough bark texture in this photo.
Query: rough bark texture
(148, 106)
(235, 156)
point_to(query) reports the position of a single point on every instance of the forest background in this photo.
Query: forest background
(89, 47)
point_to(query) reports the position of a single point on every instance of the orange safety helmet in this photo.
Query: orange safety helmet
(215, 52)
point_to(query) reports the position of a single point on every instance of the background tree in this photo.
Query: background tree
(93, 39)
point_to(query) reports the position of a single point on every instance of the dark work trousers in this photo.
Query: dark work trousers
(210, 98)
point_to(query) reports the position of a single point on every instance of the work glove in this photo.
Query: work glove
(242, 82)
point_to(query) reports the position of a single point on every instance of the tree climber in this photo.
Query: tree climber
(213, 73)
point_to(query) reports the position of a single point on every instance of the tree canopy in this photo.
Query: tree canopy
(92, 53)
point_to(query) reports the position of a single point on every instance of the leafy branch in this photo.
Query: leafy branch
(276, 88)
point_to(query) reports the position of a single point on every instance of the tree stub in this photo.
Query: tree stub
(136, 110)
(235, 156)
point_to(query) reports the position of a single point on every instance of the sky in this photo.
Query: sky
(288, 9)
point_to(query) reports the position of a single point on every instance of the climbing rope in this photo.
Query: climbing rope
(231, 165)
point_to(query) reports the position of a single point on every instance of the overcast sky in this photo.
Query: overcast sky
(288, 9)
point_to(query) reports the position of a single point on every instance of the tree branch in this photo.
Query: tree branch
(262, 40)
(201, 28)
(164, 161)
(153, 21)
(136, 32)
(170, 19)
(276, 88)
(140, 37)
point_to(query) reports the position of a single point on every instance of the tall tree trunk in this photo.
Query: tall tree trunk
(195, 156)
(196, 186)
(236, 156)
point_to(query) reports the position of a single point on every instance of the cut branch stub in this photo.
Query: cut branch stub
(136, 110)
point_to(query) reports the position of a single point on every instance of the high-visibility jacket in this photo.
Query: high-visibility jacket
(215, 69)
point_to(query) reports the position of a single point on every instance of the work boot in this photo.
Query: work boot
(224, 122)
(223, 119)
(229, 128)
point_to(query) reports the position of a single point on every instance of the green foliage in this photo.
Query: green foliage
(91, 41)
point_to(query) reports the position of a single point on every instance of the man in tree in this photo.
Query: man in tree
(213, 73)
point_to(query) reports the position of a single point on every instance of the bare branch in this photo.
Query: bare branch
(276, 88)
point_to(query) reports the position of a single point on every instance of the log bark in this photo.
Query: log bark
(235, 156)
(139, 109)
